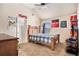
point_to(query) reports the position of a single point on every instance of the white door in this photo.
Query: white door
(21, 29)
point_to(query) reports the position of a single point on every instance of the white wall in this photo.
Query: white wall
(64, 32)
(13, 10)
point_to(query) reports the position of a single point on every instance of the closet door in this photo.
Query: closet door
(21, 29)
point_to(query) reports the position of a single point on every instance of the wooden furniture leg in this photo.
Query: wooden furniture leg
(53, 42)
(58, 41)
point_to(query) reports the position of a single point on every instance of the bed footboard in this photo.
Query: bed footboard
(54, 41)
(47, 41)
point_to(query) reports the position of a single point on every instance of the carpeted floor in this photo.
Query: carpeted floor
(31, 49)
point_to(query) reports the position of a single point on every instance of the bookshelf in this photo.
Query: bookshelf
(72, 41)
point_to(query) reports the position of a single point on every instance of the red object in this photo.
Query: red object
(55, 24)
(73, 18)
(74, 23)
(23, 16)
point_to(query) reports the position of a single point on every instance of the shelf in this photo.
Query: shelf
(72, 51)
(74, 20)
(70, 47)
(72, 42)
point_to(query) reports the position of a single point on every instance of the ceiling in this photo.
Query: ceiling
(53, 9)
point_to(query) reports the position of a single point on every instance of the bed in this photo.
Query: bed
(35, 36)
(45, 39)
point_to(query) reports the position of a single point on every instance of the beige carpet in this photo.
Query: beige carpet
(31, 49)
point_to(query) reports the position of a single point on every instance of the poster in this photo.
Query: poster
(12, 26)
(55, 23)
(63, 24)
(12, 21)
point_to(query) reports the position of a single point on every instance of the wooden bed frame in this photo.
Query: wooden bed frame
(52, 45)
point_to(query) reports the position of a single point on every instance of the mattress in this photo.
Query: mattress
(46, 38)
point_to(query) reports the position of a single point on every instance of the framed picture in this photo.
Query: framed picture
(63, 24)
(55, 23)
(12, 21)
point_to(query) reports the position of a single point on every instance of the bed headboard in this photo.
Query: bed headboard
(33, 29)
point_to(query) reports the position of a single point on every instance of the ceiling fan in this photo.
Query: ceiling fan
(41, 4)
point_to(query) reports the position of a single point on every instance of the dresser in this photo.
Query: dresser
(8, 45)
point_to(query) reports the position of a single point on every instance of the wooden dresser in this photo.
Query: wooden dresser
(8, 45)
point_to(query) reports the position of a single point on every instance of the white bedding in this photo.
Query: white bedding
(42, 39)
